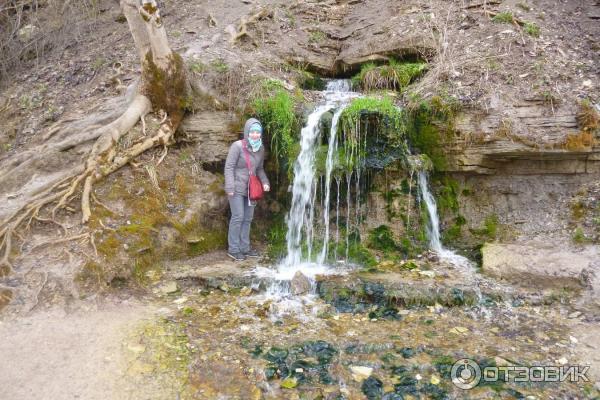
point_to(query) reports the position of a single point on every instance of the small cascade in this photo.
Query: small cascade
(308, 218)
(301, 219)
(433, 226)
(331, 151)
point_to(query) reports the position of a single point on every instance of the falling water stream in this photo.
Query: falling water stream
(306, 224)
(302, 221)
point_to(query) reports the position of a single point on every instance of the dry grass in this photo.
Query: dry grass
(588, 117)
(579, 141)
(30, 30)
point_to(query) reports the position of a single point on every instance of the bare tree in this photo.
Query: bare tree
(163, 88)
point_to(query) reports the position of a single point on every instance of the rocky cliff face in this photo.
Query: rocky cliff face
(519, 152)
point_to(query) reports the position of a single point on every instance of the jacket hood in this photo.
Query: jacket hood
(249, 124)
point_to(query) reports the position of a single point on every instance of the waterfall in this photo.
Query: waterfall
(433, 225)
(433, 228)
(301, 218)
(331, 151)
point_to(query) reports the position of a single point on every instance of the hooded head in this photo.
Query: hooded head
(253, 125)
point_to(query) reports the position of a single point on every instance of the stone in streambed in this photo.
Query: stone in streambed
(300, 284)
(372, 388)
(289, 383)
(360, 373)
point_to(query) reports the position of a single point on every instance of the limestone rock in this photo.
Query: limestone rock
(541, 266)
(360, 373)
(300, 284)
(169, 288)
(212, 132)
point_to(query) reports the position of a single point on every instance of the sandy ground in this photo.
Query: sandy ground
(55, 355)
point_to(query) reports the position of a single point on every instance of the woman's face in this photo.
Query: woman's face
(254, 135)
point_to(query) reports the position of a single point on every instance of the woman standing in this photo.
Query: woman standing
(236, 186)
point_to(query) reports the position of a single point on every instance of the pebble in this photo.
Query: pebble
(360, 373)
(575, 314)
(573, 339)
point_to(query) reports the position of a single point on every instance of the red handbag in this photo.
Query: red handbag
(255, 187)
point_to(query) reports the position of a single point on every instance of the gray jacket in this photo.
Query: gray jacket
(236, 171)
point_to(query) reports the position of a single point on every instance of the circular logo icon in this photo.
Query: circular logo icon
(465, 373)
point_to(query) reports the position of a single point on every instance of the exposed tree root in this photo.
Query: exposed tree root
(101, 204)
(105, 156)
(61, 240)
(242, 29)
(37, 295)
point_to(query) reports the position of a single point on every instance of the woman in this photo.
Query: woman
(236, 187)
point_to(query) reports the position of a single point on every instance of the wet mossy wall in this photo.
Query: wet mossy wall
(156, 221)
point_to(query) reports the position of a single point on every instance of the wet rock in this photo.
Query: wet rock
(372, 388)
(169, 288)
(289, 383)
(276, 355)
(300, 284)
(407, 352)
(323, 351)
(246, 291)
(392, 396)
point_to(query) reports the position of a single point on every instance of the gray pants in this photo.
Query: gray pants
(239, 225)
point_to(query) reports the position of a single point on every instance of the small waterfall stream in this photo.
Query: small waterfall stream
(301, 218)
(433, 225)
(304, 222)
(308, 220)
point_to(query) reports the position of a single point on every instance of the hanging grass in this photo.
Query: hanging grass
(275, 109)
(370, 128)
(392, 76)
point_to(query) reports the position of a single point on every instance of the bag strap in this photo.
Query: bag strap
(247, 156)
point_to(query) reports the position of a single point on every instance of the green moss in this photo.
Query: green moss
(447, 196)
(382, 238)
(92, 275)
(167, 88)
(491, 226)
(219, 65)
(532, 29)
(392, 76)
(197, 67)
(317, 36)
(277, 247)
(371, 133)
(152, 234)
(489, 229)
(361, 255)
(309, 81)
(429, 124)
(505, 17)
(578, 236)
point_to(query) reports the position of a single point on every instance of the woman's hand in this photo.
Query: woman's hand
(266, 187)
(230, 194)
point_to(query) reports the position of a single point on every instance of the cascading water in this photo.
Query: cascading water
(433, 226)
(303, 220)
(301, 216)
